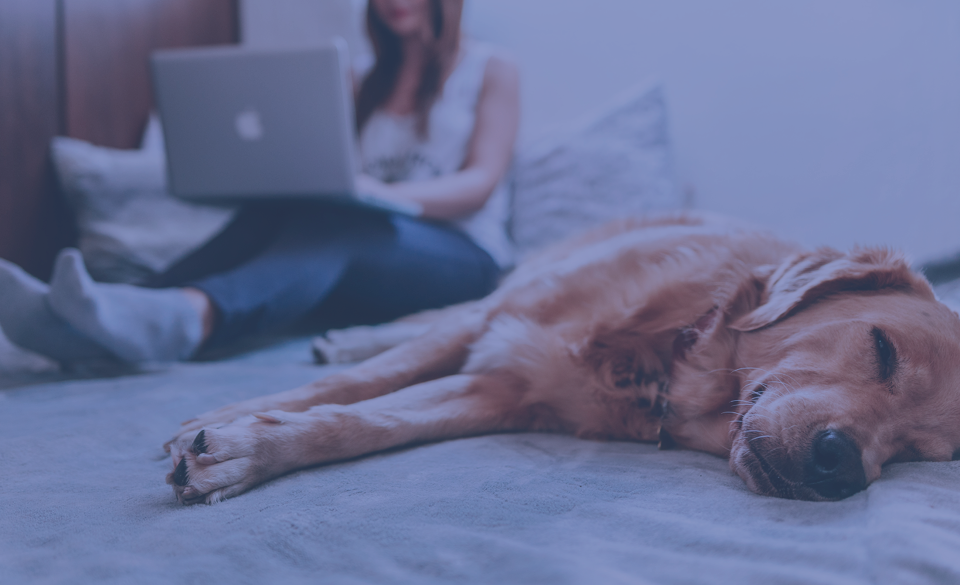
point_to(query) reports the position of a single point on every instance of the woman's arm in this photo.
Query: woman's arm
(488, 155)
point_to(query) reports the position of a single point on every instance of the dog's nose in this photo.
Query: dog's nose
(835, 468)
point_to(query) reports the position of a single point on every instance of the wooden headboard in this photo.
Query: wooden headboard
(79, 68)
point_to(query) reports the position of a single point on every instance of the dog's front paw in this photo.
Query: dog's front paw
(218, 463)
(214, 418)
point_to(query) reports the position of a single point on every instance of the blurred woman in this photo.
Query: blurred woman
(437, 118)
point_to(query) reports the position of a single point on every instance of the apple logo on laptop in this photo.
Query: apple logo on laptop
(248, 125)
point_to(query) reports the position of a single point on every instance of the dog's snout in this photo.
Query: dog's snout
(835, 467)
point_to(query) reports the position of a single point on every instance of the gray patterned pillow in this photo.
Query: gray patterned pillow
(614, 164)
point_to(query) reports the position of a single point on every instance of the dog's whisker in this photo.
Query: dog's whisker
(771, 374)
(759, 415)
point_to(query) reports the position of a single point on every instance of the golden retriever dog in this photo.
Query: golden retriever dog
(808, 370)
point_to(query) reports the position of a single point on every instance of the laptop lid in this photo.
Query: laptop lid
(253, 123)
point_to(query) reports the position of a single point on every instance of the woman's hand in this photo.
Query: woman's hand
(367, 185)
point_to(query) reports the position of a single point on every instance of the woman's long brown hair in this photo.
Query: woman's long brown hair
(377, 87)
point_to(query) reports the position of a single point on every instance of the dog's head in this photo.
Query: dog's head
(850, 363)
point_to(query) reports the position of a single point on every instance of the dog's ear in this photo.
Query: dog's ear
(805, 277)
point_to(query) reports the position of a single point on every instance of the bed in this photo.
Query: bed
(83, 500)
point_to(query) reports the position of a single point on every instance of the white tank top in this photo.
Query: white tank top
(392, 151)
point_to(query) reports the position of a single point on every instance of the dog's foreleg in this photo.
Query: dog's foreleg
(355, 344)
(222, 462)
(440, 352)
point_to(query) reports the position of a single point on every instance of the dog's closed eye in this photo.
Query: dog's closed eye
(886, 355)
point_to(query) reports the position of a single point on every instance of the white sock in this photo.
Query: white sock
(138, 324)
(28, 321)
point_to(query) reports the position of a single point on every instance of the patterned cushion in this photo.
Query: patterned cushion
(614, 164)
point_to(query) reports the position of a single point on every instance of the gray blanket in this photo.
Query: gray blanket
(82, 500)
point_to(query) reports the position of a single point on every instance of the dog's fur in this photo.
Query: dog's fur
(809, 370)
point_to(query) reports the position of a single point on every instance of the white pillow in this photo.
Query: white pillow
(130, 226)
(613, 164)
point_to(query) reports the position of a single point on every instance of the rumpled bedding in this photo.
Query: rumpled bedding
(83, 500)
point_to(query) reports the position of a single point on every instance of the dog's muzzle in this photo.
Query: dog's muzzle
(834, 469)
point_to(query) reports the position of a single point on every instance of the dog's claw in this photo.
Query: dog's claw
(206, 459)
(180, 476)
(268, 418)
(200, 443)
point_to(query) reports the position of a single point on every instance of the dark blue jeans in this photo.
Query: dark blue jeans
(326, 266)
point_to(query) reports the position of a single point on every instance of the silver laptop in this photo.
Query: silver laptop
(242, 123)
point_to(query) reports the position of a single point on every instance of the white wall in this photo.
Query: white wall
(832, 121)
(297, 22)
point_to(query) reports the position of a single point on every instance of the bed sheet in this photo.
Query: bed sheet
(82, 500)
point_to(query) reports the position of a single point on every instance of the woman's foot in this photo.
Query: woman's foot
(137, 324)
(28, 321)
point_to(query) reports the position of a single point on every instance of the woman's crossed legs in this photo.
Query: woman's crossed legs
(273, 267)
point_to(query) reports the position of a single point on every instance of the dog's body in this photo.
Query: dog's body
(809, 370)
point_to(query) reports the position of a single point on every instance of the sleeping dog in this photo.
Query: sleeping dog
(808, 370)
